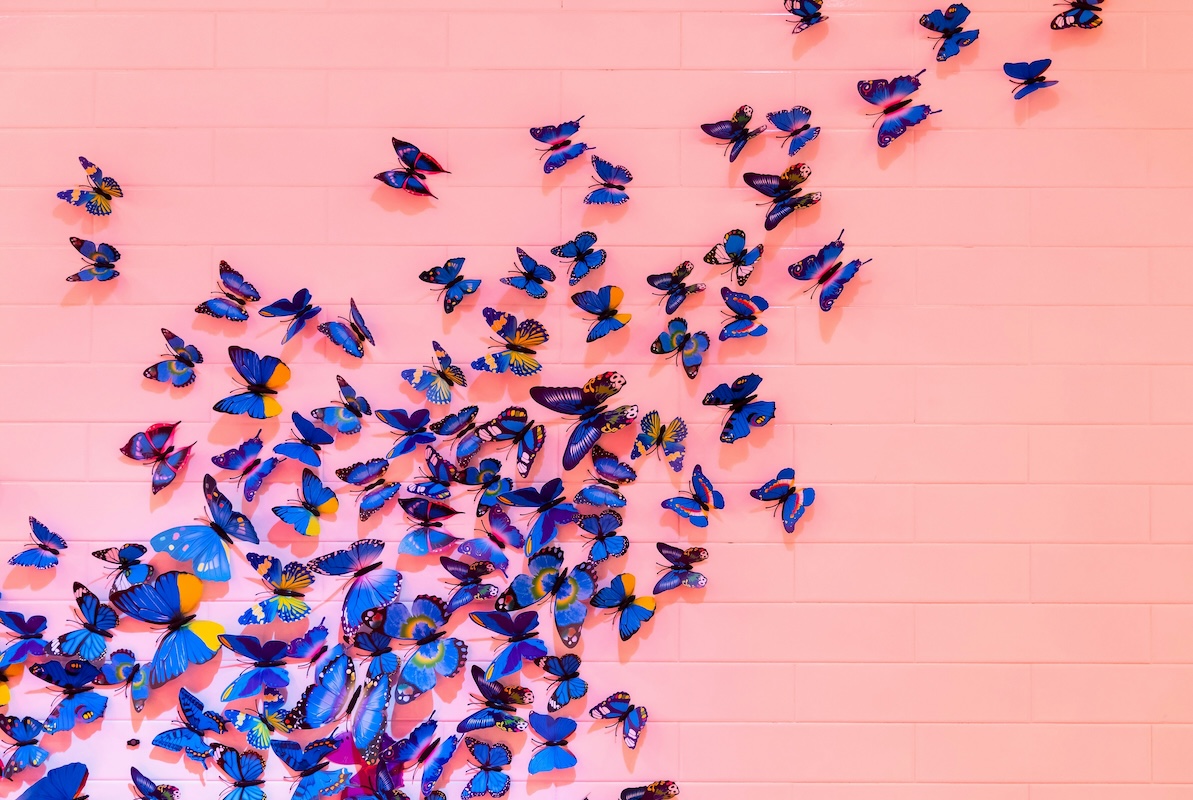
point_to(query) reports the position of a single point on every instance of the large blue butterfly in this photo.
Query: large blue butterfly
(299, 309)
(259, 725)
(245, 459)
(346, 415)
(584, 257)
(122, 669)
(742, 319)
(603, 305)
(453, 287)
(783, 492)
(500, 534)
(530, 277)
(78, 701)
(375, 492)
(499, 703)
(566, 683)
(206, 546)
(468, 580)
(314, 778)
(420, 625)
(672, 285)
(611, 474)
(436, 381)
(96, 198)
(44, 552)
(153, 445)
(896, 114)
(262, 376)
(491, 759)
(149, 789)
(589, 405)
(266, 671)
(794, 123)
(735, 131)
(560, 147)
(604, 541)
(237, 293)
(733, 254)
(90, 642)
(27, 751)
(686, 346)
(315, 500)
(548, 578)
(490, 485)
(415, 167)
(411, 427)
(631, 611)
(807, 13)
(427, 536)
(666, 439)
(179, 367)
(678, 569)
(948, 24)
(371, 586)
(286, 584)
(324, 700)
(196, 722)
(247, 771)
(1079, 14)
(128, 567)
(522, 640)
(784, 192)
(351, 334)
(745, 410)
(550, 509)
(827, 271)
(1028, 77)
(625, 715)
(100, 260)
(551, 751)
(512, 425)
(694, 506)
(60, 783)
(27, 640)
(306, 444)
(611, 183)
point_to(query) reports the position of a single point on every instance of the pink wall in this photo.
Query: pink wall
(993, 596)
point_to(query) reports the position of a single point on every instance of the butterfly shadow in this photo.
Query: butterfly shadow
(29, 578)
(219, 327)
(963, 60)
(512, 392)
(597, 213)
(229, 430)
(807, 40)
(387, 199)
(284, 537)
(82, 293)
(603, 351)
(1036, 103)
(545, 780)
(773, 240)
(737, 453)
(746, 345)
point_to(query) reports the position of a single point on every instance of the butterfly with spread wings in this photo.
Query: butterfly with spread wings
(96, 198)
(412, 174)
(784, 192)
(518, 344)
(590, 405)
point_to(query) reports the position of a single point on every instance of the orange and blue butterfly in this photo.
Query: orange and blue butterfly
(436, 381)
(96, 198)
(453, 286)
(665, 439)
(101, 259)
(350, 334)
(742, 318)
(346, 416)
(793, 500)
(695, 505)
(263, 376)
(518, 343)
(314, 501)
(687, 347)
(179, 367)
(287, 585)
(631, 611)
(603, 305)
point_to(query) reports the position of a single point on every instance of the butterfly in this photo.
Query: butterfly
(629, 717)
(732, 253)
(548, 578)
(486, 476)
(560, 147)
(512, 425)
(305, 445)
(244, 459)
(411, 427)
(948, 24)
(784, 192)
(427, 536)
(299, 309)
(262, 377)
(454, 286)
(610, 474)
(315, 500)
(438, 479)
(551, 752)
(603, 303)
(564, 674)
(589, 405)
(809, 14)
(1079, 14)
(437, 381)
(491, 759)
(89, 642)
(266, 671)
(458, 424)
(323, 700)
(469, 582)
(742, 319)
(517, 342)
(26, 752)
(122, 669)
(237, 293)
(28, 640)
(659, 789)
(500, 534)
(794, 122)
(7, 673)
(378, 649)
(695, 505)
(45, 550)
(611, 181)
(346, 415)
(745, 410)
(434, 766)
(170, 601)
(260, 725)
(151, 790)
(372, 717)
(412, 174)
(206, 546)
(666, 439)
(96, 198)
(1028, 77)
(499, 702)
(196, 722)
(154, 446)
(375, 491)
(418, 749)
(604, 540)
(631, 611)
(530, 277)
(420, 625)
(314, 778)
(101, 259)
(687, 346)
(826, 270)
(179, 367)
(351, 334)
(678, 570)
(247, 771)
(897, 114)
(78, 701)
(550, 509)
(583, 256)
(311, 646)
(783, 492)
(372, 585)
(60, 783)
(735, 130)
(672, 286)
(523, 642)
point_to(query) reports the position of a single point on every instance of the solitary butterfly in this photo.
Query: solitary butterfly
(246, 770)
(90, 640)
(1079, 14)
(44, 552)
(237, 293)
(610, 474)
(375, 491)
(96, 198)
(197, 723)
(518, 343)
(551, 751)
(206, 546)
(305, 445)
(287, 585)
(546, 577)
(436, 381)
(411, 175)
(371, 586)
(808, 14)
(784, 192)
(611, 183)
(522, 640)
(350, 334)
(827, 271)
(1028, 76)
(695, 505)
(122, 669)
(101, 259)
(584, 257)
(794, 123)
(314, 501)
(299, 309)
(530, 277)
(660, 790)
(733, 253)
(665, 439)
(346, 415)
(128, 568)
(782, 491)
(244, 459)
(745, 410)
(742, 319)
(154, 446)
(179, 367)
(631, 611)
(687, 347)
(896, 114)
(589, 404)
(671, 284)
(512, 425)
(262, 376)
(412, 429)
(453, 287)
(678, 569)
(625, 715)
(735, 130)
(948, 24)
(564, 674)
(560, 147)
(603, 304)
(601, 531)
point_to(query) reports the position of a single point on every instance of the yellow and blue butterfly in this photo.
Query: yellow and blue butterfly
(101, 259)
(96, 198)
(315, 500)
(436, 381)
(659, 438)
(179, 367)
(603, 305)
(262, 376)
(631, 611)
(287, 585)
(518, 342)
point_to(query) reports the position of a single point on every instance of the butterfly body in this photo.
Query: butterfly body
(674, 290)
(45, 550)
(1028, 76)
(742, 319)
(560, 147)
(687, 346)
(1079, 14)
(828, 272)
(794, 122)
(787, 496)
(350, 334)
(237, 293)
(518, 343)
(896, 113)
(745, 410)
(610, 188)
(530, 277)
(735, 131)
(412, 174)
(589, 405)
(101, 259)
(262, 376)
(96, 198)
(948, 24)
(784, 192)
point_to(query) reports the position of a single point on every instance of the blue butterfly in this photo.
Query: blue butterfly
(1028, 77)
(486, 477)
(589, 404)
(412, 429)
(420, 748)
(896, 114)
(247, 771)
(78, 701)
(60, 783)
(315, 500)
(603, 304)
(827, 271)
(244, 459)
(311, 646)
(611, 474)
(548, 578)
(742, 319)
(206, 546)
(100, 260)
(438, 479)
(171, 601)
(735, 130)
(491, 759)
(469, 582)
(377, 646)
(564, 672)
(517, 343)
(427, 536)
(267, 671)
(687, 346)
(129, 569)
(550, 510)
(372, 585)
(286, 585)
(458, 424)
(420, 625)
(794, 122)
(435, 765)
(530, 277)
(314, 779)
(28, 640)
(672, 285)
(89, 642)
(499, 535)
(948, 24)
(678, 569)
(499, 702)
(96, 198)
(745, 410)
(560, 147)
(551, 752)
(783, 492)
(351, 334)
(45, 550)
(260, 725)
(732, 253)
(196, 723)
(323, 700)
(604, 540)
(581, 253)
(694, 506)
(454, 287)
(1079, 14)
(808, 12)
(306, 444)
(153, 445)
(25, 733)
(299, 309)
(375, 490)
(411, 175)
(346, 415)
(512, 425)
(237, 293)
(179, 367)
(149, 789)
(610, 185)
(784, 192)
(122, 669)
(523, 642)
(629, 717)
(631, 611)
(262, 377)
(666, 439)
(436, 381)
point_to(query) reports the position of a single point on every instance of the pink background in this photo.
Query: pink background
(993, 596)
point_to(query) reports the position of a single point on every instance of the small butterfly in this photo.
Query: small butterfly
(427, 536)
(128, 568)
(44, 552)
(412, 429)
(625, 715)
(583, 256)
(287, 585)
(299, 309)
(122, 669)
(695, 505)
(244, 460)
(89, 642)
(948, 24)
(350, 334)
(560, 147)
(517, 342)
(489, 779)
(151, 790)
(247, 771)
(687, 346)
(26, 752)
(589, 404)
(794, 122)
(610, 183)
(530, 277)
(179, 367)
(678, 569)
(1028, 76)
(631, 611)
(346, 415)
(604, 541)
(660, 790)
(784, 192)
(782, 491)
(499, 535)
(453, 287)
(512, 425)
(1079, 14)
(603, 303)
(522, 640)
(375, 491)
(827, 271)
(610, 475)
(665, 439)
(564, 674)
(468, 582)
(263, 376)
(551, 751)
(314, 501)
(893, 98)
(735, 130)
(436, 381)
(412, 174)
(809, 14)
(733, 254)
(154, 446)
(305, 445)
(742, 319)
(237, 293)
(206, 545)
(96, 198)
(672, 286)
(100, 261)
(745, 410)
(500, 702)
(190, 738)
(549, 507)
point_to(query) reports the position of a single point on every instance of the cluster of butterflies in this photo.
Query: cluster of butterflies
(1078, 14)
